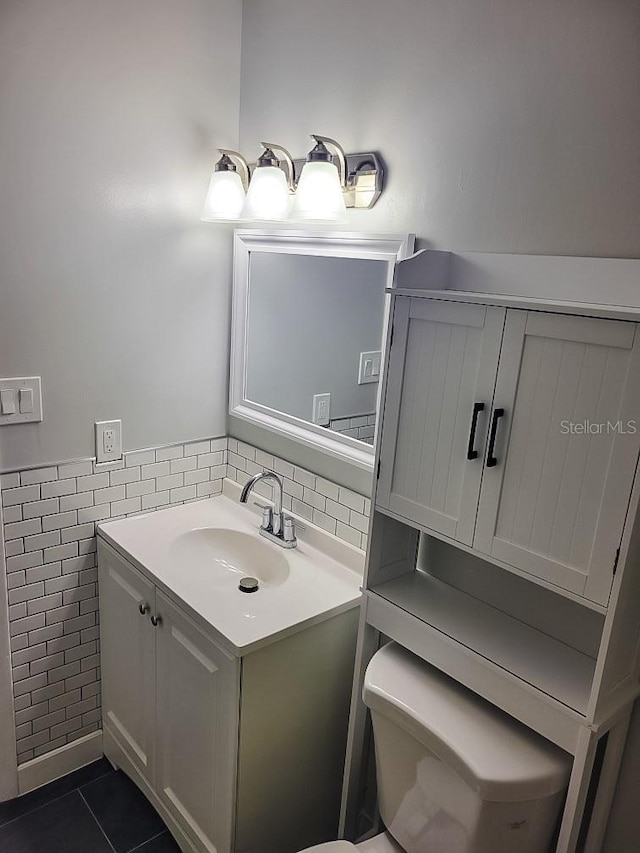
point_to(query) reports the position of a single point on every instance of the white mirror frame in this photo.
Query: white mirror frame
(388, 248)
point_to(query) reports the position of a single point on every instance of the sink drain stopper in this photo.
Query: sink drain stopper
(248, 585)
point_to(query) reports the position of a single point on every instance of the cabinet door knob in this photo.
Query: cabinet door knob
(472, 453)
(143, 607)
(155, 621)
(491, 459)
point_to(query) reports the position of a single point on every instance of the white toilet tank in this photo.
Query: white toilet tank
(455, 774)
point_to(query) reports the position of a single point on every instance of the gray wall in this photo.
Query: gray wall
(110, 287)
(506, 127)
(623, 830)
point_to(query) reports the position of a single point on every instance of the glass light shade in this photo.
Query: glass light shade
(319, 197)
(225, 197)
(268, 196)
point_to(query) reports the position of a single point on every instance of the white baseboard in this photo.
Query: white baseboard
(37, 772)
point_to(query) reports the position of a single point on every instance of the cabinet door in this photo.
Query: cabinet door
(440, 385)
(554, 504)
(198, 700)
(127, 647)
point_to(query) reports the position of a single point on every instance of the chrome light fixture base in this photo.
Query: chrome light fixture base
(365, 180)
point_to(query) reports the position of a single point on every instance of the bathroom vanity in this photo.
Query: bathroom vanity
(229, 710)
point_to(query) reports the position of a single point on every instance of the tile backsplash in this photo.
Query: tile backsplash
(50, 515)
(362, 427)
(49, 530)
(334, 508)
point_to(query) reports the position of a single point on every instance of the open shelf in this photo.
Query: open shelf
(488, 558)
(541, 661)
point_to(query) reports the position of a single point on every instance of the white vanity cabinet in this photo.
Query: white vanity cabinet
(237, 753)
(170, 701)
(514, 432)
(197, 690)
(128, 660)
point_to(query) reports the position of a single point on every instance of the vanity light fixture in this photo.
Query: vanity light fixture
(227, 190)
(330, 182)
(270, 190)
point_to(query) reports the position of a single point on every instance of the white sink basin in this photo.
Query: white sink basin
(197, 554)
(230, 555)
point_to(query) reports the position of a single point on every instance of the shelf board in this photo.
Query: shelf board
(538, 659)
(558, 590)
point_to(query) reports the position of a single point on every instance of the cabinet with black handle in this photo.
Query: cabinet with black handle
(509, 431)
(504, 543)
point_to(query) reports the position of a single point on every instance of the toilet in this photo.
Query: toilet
(455, 774)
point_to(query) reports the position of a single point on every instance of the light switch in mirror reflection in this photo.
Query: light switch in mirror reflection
(306, 307)
(309, 319)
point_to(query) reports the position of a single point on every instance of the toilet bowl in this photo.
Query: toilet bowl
(455, 774)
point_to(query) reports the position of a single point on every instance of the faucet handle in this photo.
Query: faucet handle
(289, 527)
(267, 515)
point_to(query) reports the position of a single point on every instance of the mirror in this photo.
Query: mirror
(308, 332)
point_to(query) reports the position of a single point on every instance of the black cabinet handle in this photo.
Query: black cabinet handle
(155, 621)
(143, 607)
(472, 453)
(491, 459)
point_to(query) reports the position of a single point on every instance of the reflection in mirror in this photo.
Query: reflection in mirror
(314, 339)
(308, 335)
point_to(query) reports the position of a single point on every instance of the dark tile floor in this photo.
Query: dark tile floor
(94, 810)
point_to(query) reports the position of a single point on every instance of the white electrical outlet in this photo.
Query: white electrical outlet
(321, 409)
(108, 441)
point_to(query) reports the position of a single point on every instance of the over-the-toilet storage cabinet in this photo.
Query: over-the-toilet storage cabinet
(553, 504)
(503, 540)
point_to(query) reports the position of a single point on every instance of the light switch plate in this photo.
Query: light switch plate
(369, 367)
(25, 393)
(108, 441)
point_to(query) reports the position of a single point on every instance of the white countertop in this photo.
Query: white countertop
(324, 577)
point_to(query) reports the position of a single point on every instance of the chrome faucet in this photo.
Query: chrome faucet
(277, 526)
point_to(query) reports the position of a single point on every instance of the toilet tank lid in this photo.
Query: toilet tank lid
(497, 756)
